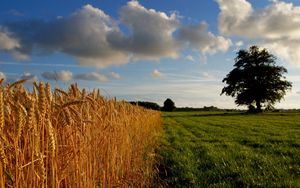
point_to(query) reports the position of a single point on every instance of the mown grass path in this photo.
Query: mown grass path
(230, 150)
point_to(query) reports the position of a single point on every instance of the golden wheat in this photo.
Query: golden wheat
(74, 138)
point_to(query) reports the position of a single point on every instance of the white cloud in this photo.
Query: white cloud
(288, 50)
(62, 75)
(197, 37)
(93, 76)
(29, 77)
(7, 42)
(2, 76)
(151, 30)
(115, 75)
(233, 14)
(156, 74)
(190, 58)
(277, 25)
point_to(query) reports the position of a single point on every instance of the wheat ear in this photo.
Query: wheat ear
(2, 155)
(48, 92)
(31, 118)
(42, 100)
(51, 136)
(20, 119)
(41, 166)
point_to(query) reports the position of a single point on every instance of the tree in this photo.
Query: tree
(169, 105)
(256, 80)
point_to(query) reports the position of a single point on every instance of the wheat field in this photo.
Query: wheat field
(74, 138)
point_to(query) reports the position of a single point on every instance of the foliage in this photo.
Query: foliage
(256, 79)
(169, 105)
(148, 105)
(214, 149)
(74, 138)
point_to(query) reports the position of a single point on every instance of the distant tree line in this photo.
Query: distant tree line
(145, 104)
(205, 108)
(169, 105)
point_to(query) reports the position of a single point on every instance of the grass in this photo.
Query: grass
(204, 149)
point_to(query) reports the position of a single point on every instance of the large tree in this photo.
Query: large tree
(256, 80)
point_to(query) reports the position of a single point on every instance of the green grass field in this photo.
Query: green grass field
(206, 149)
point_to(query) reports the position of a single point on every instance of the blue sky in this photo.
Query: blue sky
(149, 49)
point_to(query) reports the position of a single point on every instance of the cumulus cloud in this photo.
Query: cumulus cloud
(62, 75)
(151, 32)
(156, 74)
(197, 37)
(277, 25)
(2, 76)
(115, 75)
(93, 76)
(83, 34)
(96, 39)
(288, 50)
(7, 42)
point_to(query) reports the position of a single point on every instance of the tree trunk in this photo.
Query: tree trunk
(258, 106)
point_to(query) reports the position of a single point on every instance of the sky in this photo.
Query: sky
(147, 50)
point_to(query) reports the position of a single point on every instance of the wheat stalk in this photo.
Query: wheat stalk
(61, 91)
(1, 109)
(19, 82)
(72, 103)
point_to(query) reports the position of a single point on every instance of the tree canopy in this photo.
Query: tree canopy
(169, 105)
(256, 80)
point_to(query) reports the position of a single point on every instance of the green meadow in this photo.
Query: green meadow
(207, 149)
